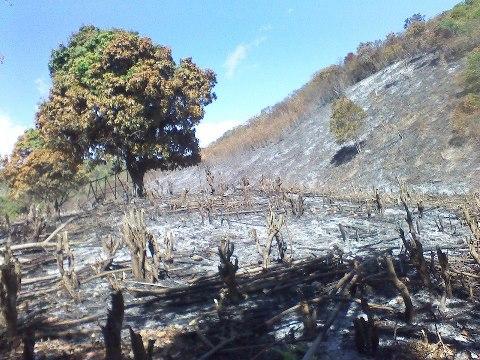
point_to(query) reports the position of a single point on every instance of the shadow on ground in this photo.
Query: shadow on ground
(345, 154)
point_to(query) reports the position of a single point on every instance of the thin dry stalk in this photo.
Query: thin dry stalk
(297, 205)
(69, 276)
(36, 223)
(414, 247)
(379, 202)
(473, 243)
(137, 238)
(10, 279)
(169, 241)
(210, 181)
(274, 225)
(111, 245)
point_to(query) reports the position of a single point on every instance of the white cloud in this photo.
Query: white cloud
(208, 132)
(258, 41)
(9, 133)
(266, 28)
(42, 86)
(239, 54)
(234, 59)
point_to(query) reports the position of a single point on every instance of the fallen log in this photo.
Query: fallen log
(39, 279)
(293, 309)
(105, 273)
(30, 246)
(281, 278)
(217, 347)
(344, 285)
(464, 273)
(58, 229)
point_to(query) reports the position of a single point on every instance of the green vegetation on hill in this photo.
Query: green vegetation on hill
(471, 76)
(453, 34)
(346, 120)
(463, 18)
(466, 116)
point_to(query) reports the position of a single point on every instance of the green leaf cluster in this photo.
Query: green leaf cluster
(463, 18)
(471, 74)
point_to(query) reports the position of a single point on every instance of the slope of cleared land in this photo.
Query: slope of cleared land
(407, 136)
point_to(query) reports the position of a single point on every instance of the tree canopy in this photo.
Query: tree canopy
(115, 92)
(38, 172)
(346, 120)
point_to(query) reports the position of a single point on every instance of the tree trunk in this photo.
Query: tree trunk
(137, 174)
(138, 185)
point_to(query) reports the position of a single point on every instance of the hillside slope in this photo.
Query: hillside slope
(407, 135)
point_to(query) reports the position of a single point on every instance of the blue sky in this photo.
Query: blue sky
(260, 50)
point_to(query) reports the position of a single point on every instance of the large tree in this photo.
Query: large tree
(115, 92)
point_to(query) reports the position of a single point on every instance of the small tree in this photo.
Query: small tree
(115, 92)
(346, 120)
(415, 18)
(40, 173)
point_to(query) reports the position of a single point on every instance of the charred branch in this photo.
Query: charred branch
(28, 344)
(366, 331)
(228, 269)
(444, 272)
(138, 349)
(414, 247)
(113, 328)
(401, 288)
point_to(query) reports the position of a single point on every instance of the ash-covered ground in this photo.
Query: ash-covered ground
(316, 233)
